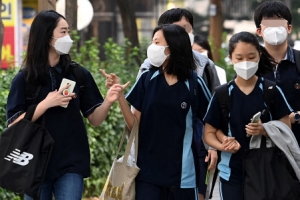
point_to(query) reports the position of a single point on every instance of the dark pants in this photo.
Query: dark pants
(229, 191)
(148, 191)
(202, 175)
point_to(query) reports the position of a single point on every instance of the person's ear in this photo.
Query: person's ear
(259, 32)
(289, 29)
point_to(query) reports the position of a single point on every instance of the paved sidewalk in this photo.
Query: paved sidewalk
(216, 193)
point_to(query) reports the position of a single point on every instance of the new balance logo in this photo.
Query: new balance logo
(19, 158)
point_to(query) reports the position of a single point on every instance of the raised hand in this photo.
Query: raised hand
(56, 98)
(111, 79)
(115, 91)
(213, 158)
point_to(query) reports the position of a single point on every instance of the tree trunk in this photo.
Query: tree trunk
(71, 14)
(1, 35)
(126, 8)
(216, 28)
(46, 5)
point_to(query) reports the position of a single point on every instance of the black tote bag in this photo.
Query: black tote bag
(268, 175)
(25, 149)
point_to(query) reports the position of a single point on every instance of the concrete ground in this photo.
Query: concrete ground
(216, 193)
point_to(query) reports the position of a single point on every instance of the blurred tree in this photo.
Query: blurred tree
(127, 12)
(216, 27)
(46, 5)
(1, 34)
(71, 14)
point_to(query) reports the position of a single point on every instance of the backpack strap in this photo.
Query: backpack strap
(31, 92)
(223, 98)
(207, 77)
(297, 59)
(269, 98)
(193, 93)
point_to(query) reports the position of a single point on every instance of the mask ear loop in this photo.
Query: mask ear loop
(165, 49)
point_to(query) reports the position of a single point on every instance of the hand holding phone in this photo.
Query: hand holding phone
(69, 90)
(255, 119)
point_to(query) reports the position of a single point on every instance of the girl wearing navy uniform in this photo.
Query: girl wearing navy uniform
(161, 102)
(250, 60)
(46, 63)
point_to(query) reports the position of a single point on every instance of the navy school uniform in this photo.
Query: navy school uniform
(287, 78)
(243, 107)
(70, 153)
(165, 155)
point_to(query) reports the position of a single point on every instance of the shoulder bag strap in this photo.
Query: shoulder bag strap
(297, 59)
(133, 136)
(223, 98)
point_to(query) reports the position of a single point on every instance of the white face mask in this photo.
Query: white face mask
(275, 35)
(204, 53)
(191, 35)
(245, 69)
(63, 45)
(156, 55)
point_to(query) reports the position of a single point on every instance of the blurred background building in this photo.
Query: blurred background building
(106, 20)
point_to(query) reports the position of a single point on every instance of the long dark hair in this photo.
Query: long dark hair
(202, 42)
(266, 62)
(181, 61)
(36, 61)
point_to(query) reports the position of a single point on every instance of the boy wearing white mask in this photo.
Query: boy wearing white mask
(273, 21)
(246, 99)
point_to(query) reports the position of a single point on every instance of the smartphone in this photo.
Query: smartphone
(255, 119)
(69, 90)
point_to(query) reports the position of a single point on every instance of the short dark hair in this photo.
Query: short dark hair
(181, 61)
(272, 9)
(266, 62)
(201, 41)
(41, 32)
(175, 15)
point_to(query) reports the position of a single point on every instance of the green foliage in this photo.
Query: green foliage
(223, 51)
(104, 139)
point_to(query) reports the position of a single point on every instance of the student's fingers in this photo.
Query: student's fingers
(73, 95)
(234, 147)
(63, 88)
(228, 141)
(212, 165)
(125, 85)
(104, 74)
(231, 146)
